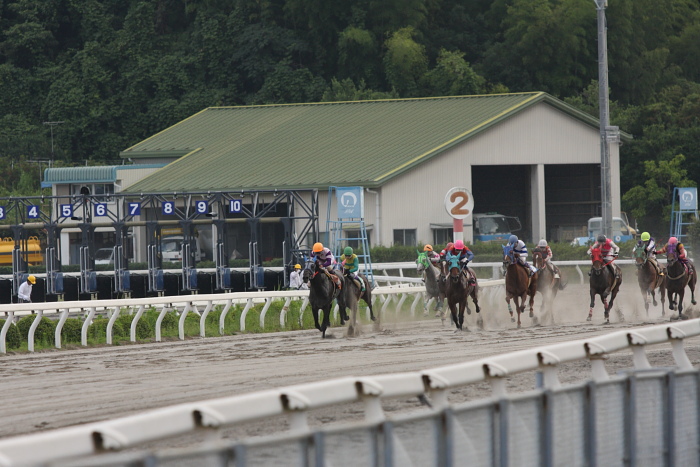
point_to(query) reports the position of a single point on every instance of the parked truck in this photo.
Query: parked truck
(171, 245)
(494, 227)
(621, 231)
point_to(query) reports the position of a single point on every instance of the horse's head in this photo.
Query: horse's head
(309, 271)
(538, 258)
(422, 263)
(640, 256)
(453, 266)
(597, 262)
(671, 255)
(508, 255)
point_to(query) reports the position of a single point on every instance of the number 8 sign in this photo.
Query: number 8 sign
(459, 202)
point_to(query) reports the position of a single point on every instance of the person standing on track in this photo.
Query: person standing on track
(24, 293)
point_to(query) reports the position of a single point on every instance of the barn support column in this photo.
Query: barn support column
(469, 221)
(538, 214)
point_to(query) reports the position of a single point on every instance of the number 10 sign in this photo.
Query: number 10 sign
(459, 202)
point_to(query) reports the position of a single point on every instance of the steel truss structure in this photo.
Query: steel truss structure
(296, 210)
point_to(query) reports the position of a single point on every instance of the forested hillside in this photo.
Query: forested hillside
(117, 71)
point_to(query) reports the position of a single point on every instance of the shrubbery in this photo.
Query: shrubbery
(13, 338)
(44, 331)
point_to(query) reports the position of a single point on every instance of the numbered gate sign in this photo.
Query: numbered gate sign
(235, 205)
(459, 202)
(2, 212)
(134, 209)
(202, 207)
(168, 207)
(66, 210)
(100, 209)
(33, 211)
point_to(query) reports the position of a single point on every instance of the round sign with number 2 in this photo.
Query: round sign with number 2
(459, 202)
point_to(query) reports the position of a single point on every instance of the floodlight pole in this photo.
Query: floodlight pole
(603, 103)
(51, 125)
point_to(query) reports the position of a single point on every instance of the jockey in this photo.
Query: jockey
(609, 250)
(648, 244)
(520, 249)
(448, 249)
(351, 264)
(673, 243)
(547, 256)
(324, 255)
(464, 255)
(433, 256)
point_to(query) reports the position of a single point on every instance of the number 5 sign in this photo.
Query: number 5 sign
(459, 202)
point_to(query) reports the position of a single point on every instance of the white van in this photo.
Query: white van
(104, 256)
(171, 248)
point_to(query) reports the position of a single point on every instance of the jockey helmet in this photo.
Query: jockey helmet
(459, 245)
(601, 238)
(513, 239)
(449, 246)
(646, 237)
(428, 248)
(542, 243)
(670, 240)
(347, 251)
(297, 266)
(31, 279)
(318, 247)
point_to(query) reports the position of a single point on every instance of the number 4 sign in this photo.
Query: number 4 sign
(459, 202)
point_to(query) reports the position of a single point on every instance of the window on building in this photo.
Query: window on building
(98, 189)
(405, 237)
(442, 236)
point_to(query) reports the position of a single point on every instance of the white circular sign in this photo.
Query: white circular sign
(618, 238)
(459, 202)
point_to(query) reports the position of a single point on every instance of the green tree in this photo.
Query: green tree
(345, 90)
(651, 201)
(405, 62)
(452, 76)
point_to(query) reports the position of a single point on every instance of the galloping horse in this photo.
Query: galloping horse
(434, 287)
(518, 284)
(458, 289)
(677, 277)
(547, 284)
(322, 292)
(352, 294)
(602, 283)
(649, 280)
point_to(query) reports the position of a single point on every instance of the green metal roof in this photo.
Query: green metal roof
(105, 173)
(319, 145)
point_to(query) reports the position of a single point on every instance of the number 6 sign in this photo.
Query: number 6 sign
(459, 202)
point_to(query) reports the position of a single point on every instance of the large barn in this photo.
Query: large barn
(528, 155)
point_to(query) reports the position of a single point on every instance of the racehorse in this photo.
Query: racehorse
(322, 292)
(457, 289)
(434, 287)
(649, 280)
(603, 283)
(677, 277)
(547, 284)
(352, 294)
(518, 284)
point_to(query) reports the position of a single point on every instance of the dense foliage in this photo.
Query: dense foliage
(115, 72)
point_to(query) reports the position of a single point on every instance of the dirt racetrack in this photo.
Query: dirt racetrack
(59, 388)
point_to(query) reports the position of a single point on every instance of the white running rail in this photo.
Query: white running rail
(296, 401)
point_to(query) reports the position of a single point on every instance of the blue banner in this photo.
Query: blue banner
(351, 202)
(688, 199)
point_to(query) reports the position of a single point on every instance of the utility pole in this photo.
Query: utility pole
(603, 104)
(51, 125)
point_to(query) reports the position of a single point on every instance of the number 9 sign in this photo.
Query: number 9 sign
(459, 202)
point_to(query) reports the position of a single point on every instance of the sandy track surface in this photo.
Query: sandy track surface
(59, 388)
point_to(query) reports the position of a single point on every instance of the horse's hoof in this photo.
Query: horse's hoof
(682, 316)
(425, 313)
(589, 318)
(607, 321)
(532, 315)
(512, 320)
(373, 318)
(519, 325)
(693, 302)
(674, 318)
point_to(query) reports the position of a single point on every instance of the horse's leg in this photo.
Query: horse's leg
(691, 284)
(662, 295)
(474, 294)
(326, 319)
(315, 312)
(606, 307)
(367, 297)
(462, 305)
(453, 312)
(671, 303)
(510, 310)
(590, 310)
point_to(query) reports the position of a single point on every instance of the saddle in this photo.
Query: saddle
(334, 278)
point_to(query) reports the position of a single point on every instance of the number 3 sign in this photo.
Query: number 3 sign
(459, 202)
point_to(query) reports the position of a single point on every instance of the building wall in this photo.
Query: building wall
(539, 135)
